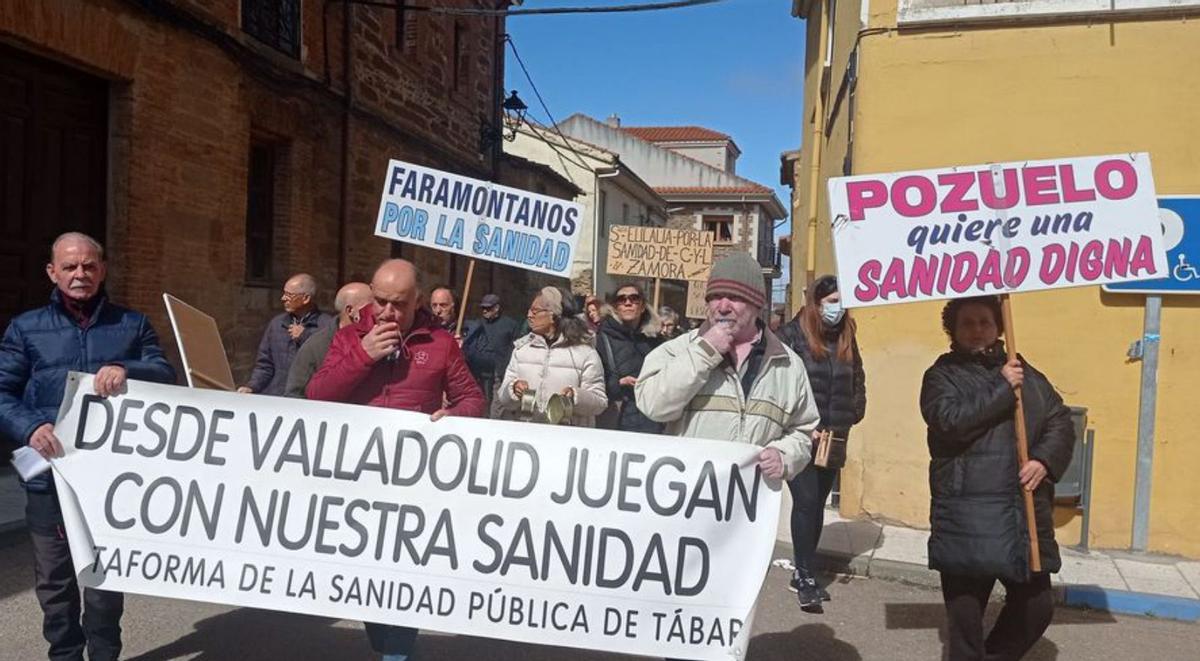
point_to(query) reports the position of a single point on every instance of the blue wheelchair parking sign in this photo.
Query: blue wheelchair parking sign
(1180, 218)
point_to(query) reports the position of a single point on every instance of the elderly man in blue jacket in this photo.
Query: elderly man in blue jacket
(79, 330)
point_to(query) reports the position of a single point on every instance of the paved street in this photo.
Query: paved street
(868, 619)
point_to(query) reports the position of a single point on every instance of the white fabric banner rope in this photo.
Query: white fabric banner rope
(576, 537)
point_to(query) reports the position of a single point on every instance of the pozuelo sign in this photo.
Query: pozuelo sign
(991, 229)
(601, 540)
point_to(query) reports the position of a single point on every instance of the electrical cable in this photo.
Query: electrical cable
(538, 94)
(616, 9)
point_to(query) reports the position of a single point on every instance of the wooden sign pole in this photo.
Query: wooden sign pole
(462, 305)
(657, 291)
(1010, 342)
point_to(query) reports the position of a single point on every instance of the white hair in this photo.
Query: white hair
(305, 284)
(77, 236)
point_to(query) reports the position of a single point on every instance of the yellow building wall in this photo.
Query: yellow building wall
(1006, 93)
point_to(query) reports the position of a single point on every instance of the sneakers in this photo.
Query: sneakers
(808, 593)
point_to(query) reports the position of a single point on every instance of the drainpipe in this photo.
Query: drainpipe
(818, 133)
(347, 105)
(596, 221)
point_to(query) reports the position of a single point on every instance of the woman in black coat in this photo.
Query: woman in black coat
(623, 340)
(822, 334)
(977, 515)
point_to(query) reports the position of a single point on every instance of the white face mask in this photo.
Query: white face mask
(832, 313)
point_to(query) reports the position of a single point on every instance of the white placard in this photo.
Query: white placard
(478, 219)
(594, 539)
(989, 229)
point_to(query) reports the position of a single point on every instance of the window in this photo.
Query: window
(721, 227)
(458, 74)
(276, 23)
(406, 28)
(260, 213)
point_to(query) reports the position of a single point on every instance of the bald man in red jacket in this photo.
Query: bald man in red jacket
(397, 356)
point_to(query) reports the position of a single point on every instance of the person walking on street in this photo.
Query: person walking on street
(623, 340)
(555, 358)
(977, 516)
(488, 345)
(285, 334)
(397, 356)
(823, 335)
(79, 330)
(349, 300)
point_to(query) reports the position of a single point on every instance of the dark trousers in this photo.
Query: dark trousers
(810, 489)
(58, 592)
(390, 639)
(1028, 609)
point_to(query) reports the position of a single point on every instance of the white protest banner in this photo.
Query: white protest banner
(991, 229)
(577, 537)
(479, 219)
(659, 252)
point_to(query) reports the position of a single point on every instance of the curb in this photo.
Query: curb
(1092, 597)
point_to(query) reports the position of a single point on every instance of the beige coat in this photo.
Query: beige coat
(688, 385)
(549, 369)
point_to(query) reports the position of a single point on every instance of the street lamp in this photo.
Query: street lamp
(514, 116)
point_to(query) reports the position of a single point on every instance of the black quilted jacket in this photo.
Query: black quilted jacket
(976, 514)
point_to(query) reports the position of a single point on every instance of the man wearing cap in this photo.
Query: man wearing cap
(732, 379)
(488, 345)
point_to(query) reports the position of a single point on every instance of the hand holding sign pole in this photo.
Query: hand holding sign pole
(995, 230)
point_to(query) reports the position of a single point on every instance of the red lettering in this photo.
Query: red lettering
(1143, 258)
(1129, 179)
(893, 282)
(960, 184)
(1091, 260)
(1054, 259)
(966, 264)
(868, 273)
(1069, 191)
(1039, 185)
(863, 195)
(991, 198)
(927, 196)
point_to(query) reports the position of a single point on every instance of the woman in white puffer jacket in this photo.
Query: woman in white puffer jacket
(556, 357)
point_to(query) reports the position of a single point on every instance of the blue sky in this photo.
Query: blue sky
(736, 67)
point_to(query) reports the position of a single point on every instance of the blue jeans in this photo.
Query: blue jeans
(390, 639)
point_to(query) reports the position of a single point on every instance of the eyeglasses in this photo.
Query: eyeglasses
(533, 312)
(632, 299)
(293, 295)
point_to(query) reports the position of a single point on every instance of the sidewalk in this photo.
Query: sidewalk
(12, 501)
(1117, 581)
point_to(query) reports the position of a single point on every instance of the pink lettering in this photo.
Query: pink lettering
(863, 195)
(1054, 259)
(1039, 185)
(868, 273)
(960, 184)
(926, 196)
(1070, 192)
(1129, 180)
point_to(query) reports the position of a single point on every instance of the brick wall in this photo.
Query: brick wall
(189, 92)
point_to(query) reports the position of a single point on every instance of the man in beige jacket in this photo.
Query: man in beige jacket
(732, 379)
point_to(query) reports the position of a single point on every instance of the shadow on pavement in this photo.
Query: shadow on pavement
(809, 641)
(16, 563)
(250, 634)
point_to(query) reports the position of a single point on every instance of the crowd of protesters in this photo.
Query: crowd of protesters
(794, 388)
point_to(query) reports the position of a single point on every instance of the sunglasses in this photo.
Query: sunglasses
(628, 298)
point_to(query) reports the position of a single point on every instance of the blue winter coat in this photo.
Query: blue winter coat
(41, 346)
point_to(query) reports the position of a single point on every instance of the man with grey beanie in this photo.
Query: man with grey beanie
(732, 379)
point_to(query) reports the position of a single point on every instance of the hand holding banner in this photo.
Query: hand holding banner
(601, 540)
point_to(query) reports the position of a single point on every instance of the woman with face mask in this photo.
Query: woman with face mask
(822, 334)
(556, 358)
(977, 515)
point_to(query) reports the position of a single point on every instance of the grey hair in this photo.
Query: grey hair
(305, 284)
(77, 236)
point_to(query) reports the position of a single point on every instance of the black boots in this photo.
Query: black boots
(808, 593)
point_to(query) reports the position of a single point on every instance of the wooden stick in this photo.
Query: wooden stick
(209, 381)
(462, 304)
(1010, 342)
(657, 290)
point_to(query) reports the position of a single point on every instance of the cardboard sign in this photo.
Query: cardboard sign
(991, 229)
(478, 219)
(659, 252)
(381, 515)
(697, 308)
(200, 347)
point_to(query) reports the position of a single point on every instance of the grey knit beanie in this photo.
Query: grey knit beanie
(737, 275)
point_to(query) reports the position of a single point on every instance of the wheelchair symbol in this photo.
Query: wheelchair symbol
(1183, 271)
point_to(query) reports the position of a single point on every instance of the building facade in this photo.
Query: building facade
(918, 84)
(681, 164)
(218, 146)
(612, 194)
